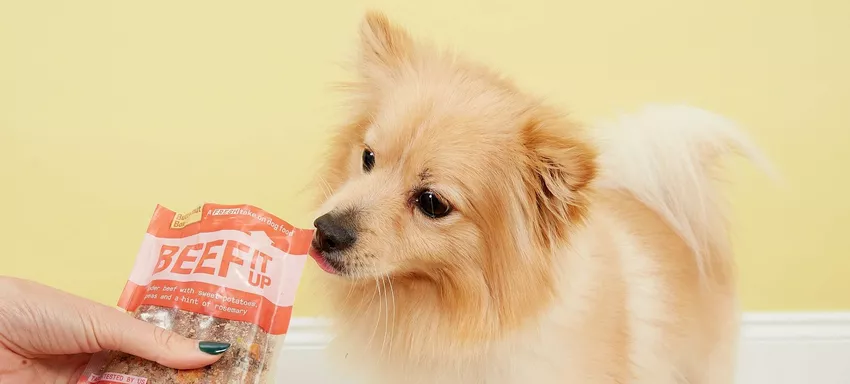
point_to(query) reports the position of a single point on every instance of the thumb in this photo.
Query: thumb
(117, 331)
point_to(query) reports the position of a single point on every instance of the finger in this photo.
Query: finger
(117, 331)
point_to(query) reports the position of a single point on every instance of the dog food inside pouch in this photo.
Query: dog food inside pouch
(225, 273)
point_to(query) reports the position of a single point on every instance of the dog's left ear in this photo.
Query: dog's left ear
(562, 164)
(384, 45)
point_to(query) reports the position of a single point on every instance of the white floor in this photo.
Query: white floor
(776, 348)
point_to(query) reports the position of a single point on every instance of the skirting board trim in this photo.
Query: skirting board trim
(799, 326)
(311, 332)
(775, 348)
(307, 333)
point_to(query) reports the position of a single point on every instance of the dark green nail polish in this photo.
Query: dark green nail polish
(213, 347)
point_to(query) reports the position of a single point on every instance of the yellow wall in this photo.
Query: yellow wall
(110, 107)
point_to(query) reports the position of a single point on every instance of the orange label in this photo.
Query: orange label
(235, 262)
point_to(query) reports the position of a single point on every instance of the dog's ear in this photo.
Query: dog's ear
(562, 164)
(384, 46)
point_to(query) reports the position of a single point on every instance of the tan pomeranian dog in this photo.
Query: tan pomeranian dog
(473, 234)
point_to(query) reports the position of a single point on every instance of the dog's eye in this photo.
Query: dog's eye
(431, 205)
(368, 160)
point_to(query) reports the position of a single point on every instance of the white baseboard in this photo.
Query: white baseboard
(795, 348)
(776, 348)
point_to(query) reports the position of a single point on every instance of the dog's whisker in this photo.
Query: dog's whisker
(378, 317)
(347, 298)
(327, 190)
(348, 295)
(386, 312)
(392, 328)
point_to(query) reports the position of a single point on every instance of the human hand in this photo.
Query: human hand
(48, 336)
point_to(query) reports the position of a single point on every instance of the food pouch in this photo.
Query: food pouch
(224, 273)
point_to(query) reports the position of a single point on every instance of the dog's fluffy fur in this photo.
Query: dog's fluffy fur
(569, 256)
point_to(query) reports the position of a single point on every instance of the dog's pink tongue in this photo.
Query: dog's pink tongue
(320, 260)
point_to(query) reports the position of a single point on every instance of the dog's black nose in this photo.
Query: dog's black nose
(334, 232)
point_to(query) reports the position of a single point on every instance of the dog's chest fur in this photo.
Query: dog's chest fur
(524, 358)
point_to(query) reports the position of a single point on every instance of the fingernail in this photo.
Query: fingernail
(213, 347)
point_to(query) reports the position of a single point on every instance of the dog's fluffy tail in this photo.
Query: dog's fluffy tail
(666, 156)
